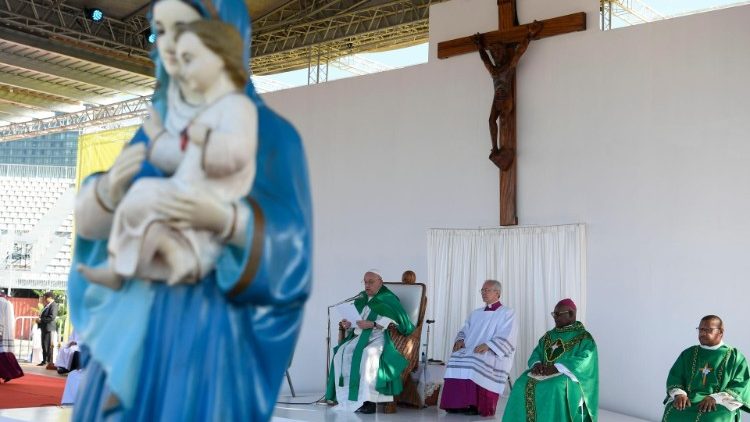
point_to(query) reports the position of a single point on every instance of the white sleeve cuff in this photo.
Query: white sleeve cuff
(563, 370)
(676, 392)
(383, 322)
(726, 400)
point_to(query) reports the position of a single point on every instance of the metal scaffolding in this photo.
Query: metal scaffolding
(317, 66)
(281, 38)
(627, 12)
(358, 65)
(60, 22)
(312, 34)
(74, 121)
(339, 27)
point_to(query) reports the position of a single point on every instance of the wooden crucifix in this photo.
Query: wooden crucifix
(506, 47)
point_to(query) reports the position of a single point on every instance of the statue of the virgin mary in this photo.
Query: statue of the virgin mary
(217, 349)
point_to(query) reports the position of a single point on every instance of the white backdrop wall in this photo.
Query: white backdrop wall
(641, 133)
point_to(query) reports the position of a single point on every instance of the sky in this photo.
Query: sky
(395, 59)
(680, 7)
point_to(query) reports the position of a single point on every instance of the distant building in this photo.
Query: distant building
(58, 149)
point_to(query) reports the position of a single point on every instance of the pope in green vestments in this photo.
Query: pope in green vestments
(709, 382)
(562, 382)
(366, 367)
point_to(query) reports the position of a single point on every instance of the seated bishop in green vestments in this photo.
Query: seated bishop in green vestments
(709, 382)
(562, 382)
(366, 366)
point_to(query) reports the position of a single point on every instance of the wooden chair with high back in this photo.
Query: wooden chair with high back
(413, 298)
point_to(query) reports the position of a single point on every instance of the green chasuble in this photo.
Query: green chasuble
(701, 372)
(392, 363)
(559, 398)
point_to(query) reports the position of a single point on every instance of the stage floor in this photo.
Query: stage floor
(306, 413)
(323, 413)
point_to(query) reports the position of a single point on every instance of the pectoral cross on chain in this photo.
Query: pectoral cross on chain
(705, 371)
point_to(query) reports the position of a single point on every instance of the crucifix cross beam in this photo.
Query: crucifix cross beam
(515, 34)
(513, 39)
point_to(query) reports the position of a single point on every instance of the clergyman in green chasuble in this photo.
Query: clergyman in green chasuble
(710, 381)
(366, 366)
(562, 382)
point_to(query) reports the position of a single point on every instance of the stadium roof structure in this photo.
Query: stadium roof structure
(54, 59)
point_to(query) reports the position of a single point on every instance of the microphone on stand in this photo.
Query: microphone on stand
(353, 298)
(328, 329)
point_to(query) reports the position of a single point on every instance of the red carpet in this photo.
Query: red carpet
(31, 391)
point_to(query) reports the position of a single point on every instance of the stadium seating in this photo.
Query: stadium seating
(36, 227)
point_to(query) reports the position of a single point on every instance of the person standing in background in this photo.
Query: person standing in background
(48, 324)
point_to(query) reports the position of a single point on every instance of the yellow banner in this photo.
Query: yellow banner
(97, 151)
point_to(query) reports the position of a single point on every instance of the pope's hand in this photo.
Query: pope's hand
(458, 345)
(708, 404)
(365, 325)
(481, 348)
(197, 208)
(119, 176)
(681, 401)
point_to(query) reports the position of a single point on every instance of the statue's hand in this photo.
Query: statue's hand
(197, 208)
(198, 133)
(534, 29)
(152, 124)
(478, 39)
(119, 176)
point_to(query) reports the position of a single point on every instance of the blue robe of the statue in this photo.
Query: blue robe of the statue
(216, 350)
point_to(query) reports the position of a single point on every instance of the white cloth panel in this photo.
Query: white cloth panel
(537, 267)
(7, 326)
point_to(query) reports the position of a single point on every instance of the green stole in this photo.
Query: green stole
(573, 347)
(388, 381)
(701, 372)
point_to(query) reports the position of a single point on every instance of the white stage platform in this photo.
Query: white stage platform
(323, 413)
(307, 413)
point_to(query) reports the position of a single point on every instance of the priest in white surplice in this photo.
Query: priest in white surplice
(482, 357)
(66, 357)
(366, 366)
(9, 368)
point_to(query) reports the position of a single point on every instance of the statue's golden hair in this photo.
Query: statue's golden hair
(224, 40)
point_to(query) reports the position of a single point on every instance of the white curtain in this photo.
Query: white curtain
(537, 267)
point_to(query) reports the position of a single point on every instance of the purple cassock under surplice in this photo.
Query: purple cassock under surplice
(463, 391)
